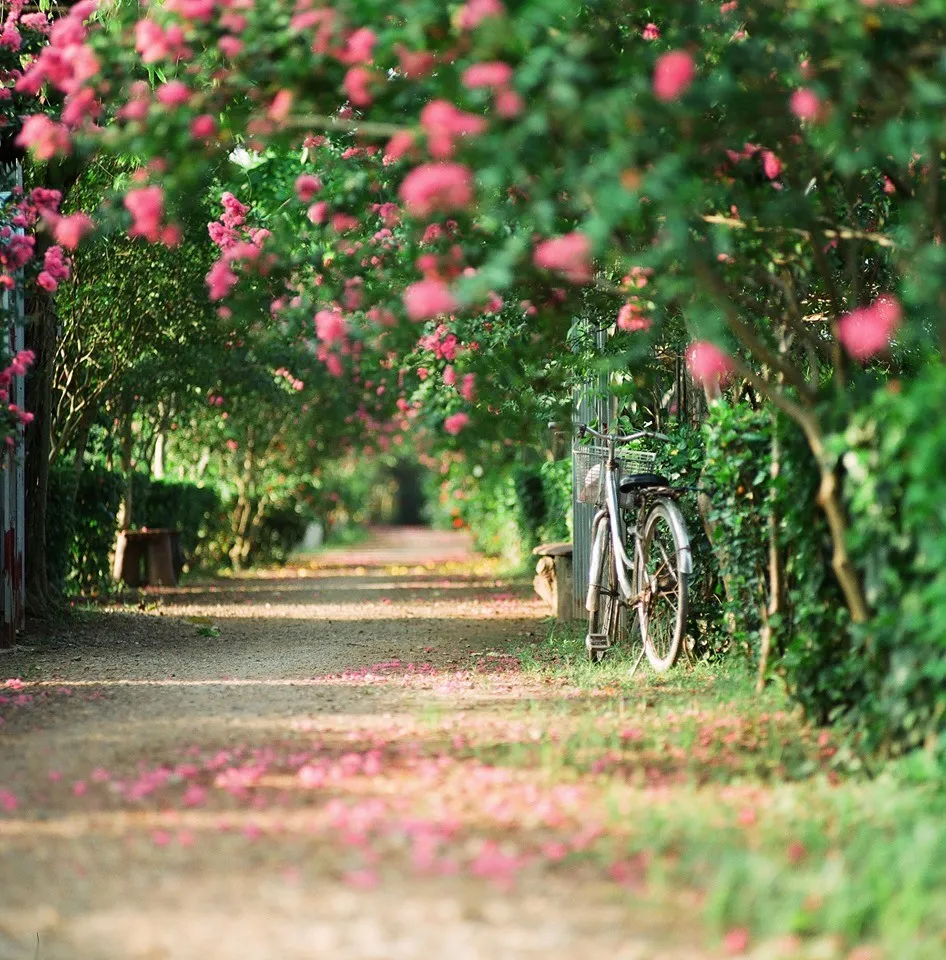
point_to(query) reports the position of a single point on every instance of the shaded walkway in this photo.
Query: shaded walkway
(287, 766)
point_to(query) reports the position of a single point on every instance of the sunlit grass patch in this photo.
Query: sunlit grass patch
(731, 795)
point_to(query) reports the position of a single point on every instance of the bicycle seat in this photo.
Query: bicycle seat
(637, 481)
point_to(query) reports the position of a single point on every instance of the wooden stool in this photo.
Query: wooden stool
(153, 549)
(553, 577)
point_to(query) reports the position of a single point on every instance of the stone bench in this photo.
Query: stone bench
(553, 577)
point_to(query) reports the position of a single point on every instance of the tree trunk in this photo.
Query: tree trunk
(41, 339)
(125, 511)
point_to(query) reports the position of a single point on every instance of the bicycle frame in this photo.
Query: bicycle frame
(623, 564)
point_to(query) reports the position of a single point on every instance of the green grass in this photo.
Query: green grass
(732, 795)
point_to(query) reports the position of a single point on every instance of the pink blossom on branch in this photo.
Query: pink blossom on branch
(146, 206)
(44, 137)
(867, 331)
(307, 186)
(356, 84)
(490, 75)
(771, 165)
(330, 327)
(203, 127)
(805, 104)
(708, 364)
(632, 318)
(71, 229)
(428, 299)
(569, 255)
(455, 423)
(174, 93)
(474, 12)
(443, 123)
(437, 187)
(673, 75)
(220, 280)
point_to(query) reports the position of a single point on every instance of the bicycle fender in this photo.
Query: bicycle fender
(681, 535)
(599, 532)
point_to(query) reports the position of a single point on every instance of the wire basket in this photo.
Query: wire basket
(590, 466)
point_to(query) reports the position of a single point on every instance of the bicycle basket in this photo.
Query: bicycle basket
(590, 470)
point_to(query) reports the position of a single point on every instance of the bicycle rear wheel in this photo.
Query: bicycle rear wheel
(661, 586)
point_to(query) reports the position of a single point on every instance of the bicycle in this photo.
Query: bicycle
(653, 581)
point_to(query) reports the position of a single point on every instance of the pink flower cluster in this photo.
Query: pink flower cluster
(444, 123)
(443, 343)
(56, 267)
(67, 63)
(708, 364)
(673, 75)
(146, 206)
(497, 77)
(236, 243)
(569, 255)
(867, 331)
(428, 299)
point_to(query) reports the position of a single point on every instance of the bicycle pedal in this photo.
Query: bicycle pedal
(597, 641)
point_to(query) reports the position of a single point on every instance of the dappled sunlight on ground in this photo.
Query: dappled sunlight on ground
(327, 769)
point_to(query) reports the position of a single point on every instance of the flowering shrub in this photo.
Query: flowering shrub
(761, 186)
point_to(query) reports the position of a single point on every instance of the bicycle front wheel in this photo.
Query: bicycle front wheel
(661, 586)
(604, 619)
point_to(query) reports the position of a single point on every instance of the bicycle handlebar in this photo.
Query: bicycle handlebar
(619, 438)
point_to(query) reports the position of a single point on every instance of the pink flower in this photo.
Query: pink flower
(867, 331)
(281, 106)
(474, 12)
(150, 41)
(632, 319)
(174, 93)
(194, 795)
(651, 32)
(673, 75)
(230, 46)
(359, 47)
(307, 186)
(398, 145)
(427, 299)
(362, 879)
(443, 122)
(491, 75)
(71, 229)
(437, 187)
(805, 104)
(569, 255)
(736, 941)
(44, 137)
(318, 212)
(455, 423)
(330, 326)
(220, 280)
(468, 387)
(707, 363)
(356, 85)
(508, 104)
(203, 127)
(415, 63)
(771, 165)
(80, 106)
(146, 206)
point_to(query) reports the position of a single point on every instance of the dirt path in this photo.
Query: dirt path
(288, 766)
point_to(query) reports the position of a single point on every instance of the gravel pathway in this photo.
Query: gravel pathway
(277, 766)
